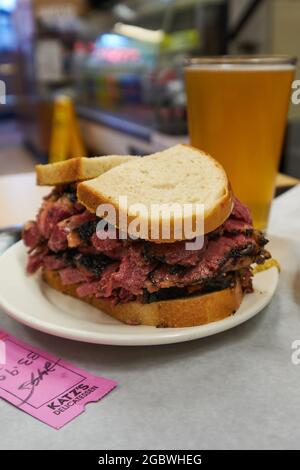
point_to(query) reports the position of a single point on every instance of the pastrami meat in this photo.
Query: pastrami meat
(63, 238)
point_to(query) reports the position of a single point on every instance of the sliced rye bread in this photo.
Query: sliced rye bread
(178, 313)
(77, 169)
(180, 174)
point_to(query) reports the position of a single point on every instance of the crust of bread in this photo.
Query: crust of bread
(91, 197)
(77, 169)
(178, 313)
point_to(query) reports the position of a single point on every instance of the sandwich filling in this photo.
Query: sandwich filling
(63, 238)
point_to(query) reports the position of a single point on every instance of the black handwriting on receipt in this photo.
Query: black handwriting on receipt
(36, 379)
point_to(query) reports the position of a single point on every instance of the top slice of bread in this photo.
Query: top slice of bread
(181, 174)
(77, 169)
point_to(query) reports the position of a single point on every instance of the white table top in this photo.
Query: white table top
(238, 389)
(20, 198)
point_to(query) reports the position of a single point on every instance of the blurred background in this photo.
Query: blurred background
(121, 63)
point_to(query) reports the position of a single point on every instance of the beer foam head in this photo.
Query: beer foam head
(242, 63)
(241, 67)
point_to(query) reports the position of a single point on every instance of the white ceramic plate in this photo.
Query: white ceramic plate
(29, 300)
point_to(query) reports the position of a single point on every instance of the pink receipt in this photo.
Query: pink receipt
(45, 386)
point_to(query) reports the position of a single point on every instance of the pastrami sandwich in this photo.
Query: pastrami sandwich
(147, 280)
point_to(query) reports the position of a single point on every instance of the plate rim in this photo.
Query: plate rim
(165, 336)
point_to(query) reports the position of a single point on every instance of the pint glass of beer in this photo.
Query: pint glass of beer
(237, 111)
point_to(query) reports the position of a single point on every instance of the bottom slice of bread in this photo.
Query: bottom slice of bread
(183, 312)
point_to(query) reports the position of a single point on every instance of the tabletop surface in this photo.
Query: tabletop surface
(20, 198)
(237, 389)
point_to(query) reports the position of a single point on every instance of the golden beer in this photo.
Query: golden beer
(237, 111)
